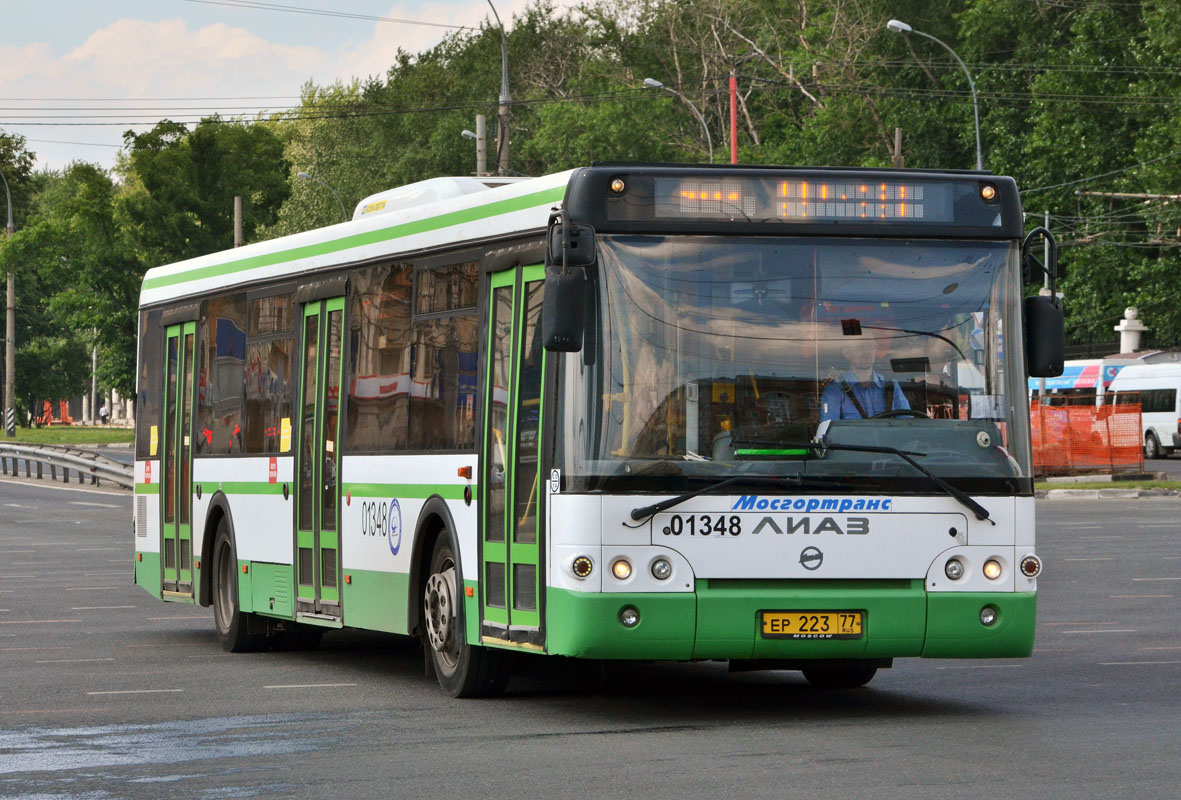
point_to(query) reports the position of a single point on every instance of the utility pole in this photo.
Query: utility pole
(237, 220)
(10, 335)
(504, 113)
(899, 161)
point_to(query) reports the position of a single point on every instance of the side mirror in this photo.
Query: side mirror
(1045, 336)
(570, 251)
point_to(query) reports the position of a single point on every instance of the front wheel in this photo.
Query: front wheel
(844, 676)
(1151, 446)
(232, 624)
(461, 669)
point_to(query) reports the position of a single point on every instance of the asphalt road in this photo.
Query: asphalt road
(107, 693)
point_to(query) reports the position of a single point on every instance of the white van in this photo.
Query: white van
(1158, 388)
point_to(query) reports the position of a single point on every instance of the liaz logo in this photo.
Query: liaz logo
(854, 526)
(811, 558)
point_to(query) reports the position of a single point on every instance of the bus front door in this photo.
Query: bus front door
(317, 489)
(176, 464)
(510, 491)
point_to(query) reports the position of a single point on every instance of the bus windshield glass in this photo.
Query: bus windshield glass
(710, 356)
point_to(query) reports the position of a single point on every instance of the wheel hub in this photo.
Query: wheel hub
(440, 610)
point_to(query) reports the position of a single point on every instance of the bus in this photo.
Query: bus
(593, 415)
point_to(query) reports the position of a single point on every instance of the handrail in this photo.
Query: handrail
(82, 462)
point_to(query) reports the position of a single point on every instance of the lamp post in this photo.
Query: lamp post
(898, 26)
(502, 115)
(652, 83)
(344, 215)
(10, 335)
(481, 137)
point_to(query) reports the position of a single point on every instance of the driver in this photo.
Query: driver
(862, 392)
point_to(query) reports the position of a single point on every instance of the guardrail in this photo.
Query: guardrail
(84, 463)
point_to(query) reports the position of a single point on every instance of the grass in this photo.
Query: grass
(1176, 485)
(70, 435)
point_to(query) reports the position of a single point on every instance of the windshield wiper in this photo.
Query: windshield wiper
(906, 455)
(643, 512)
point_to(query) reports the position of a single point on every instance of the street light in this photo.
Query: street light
(652, 83)
(343, 213)
(10, 335)
(502, 115)
(898, 26)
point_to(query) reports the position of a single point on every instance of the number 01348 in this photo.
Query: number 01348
(811, 624)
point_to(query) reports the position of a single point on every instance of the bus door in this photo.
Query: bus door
(317, 464)
(176, 463)
(510, 490)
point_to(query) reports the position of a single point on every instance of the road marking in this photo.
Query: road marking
(1104, 558)
(175, 617)
(1122, 630)
(1163, 647)
(91, 588)
(16, 649)
(140, 691)
(309, 686)
(36, 621)
(1156, 579)
(985, 666)
(99, 608)
(17, 505)
(96, 549)
(1080, 623)
(1137, 596)
(1133, 663)
(97, 505)
(71, 660)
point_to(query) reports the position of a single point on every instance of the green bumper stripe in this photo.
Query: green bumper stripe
(359, 239)
(413, 490)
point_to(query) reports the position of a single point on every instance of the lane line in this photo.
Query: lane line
(1156, 579)
(1137, 596)
(1122, 630)
(99, 608)
(1162, 647)
(1103, 558)
(140, 691)
(985, 666)
(1080, 623)
(309, 686)
(37, 621)
(92, 588)
(16, 649)
(71, 660)
(97, 505)
(1133, 663)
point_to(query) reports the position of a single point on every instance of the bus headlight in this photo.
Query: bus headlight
(661, 569)
(954, 569)
(582, 566)
(992, 569)
(1031, 566)
(621, 569)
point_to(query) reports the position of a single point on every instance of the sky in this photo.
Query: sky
(76, 74)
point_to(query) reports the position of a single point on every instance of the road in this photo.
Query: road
(108, 693)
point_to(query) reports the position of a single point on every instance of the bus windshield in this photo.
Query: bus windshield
(711, 355)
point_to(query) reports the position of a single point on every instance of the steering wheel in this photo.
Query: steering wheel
(900, 412)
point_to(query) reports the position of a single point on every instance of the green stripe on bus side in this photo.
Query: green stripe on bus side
(147, 488)
(411, 490)
(245, 487)
(359, 239)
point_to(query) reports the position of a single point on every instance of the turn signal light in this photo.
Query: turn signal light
(1031, 566)
(582, 566)
(464, 472)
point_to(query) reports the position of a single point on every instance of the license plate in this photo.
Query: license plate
(811, 624)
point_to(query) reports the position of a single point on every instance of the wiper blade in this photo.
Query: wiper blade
(906, 455)
(643, 512)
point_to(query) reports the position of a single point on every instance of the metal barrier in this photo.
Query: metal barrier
(83, 463)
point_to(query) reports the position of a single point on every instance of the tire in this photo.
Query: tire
(461, 669)
(232, 624)
(1151, 446)
(844, 676)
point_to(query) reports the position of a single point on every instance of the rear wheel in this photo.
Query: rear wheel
(462, 670)
(843, 676)
(232, 624)
(1151, 446)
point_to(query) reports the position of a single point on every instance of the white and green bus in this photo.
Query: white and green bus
(611, 413)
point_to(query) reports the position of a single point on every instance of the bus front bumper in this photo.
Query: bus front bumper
(722, 620)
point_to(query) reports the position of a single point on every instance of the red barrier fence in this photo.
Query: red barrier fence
(1086, 438)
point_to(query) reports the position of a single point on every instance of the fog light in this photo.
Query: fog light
(954, 569)
(992, 569)
(661, 569)
(621, 569)
(629, 617)
(1031, 566)
(582, 566)
(987, 615)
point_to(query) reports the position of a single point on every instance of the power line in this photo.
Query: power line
(321, 12)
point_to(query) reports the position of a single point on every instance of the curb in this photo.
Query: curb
(1104, 494)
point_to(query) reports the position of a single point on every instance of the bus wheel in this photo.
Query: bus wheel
(462, 670)
(845, 676)
(1151, 446)
(232, 623)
